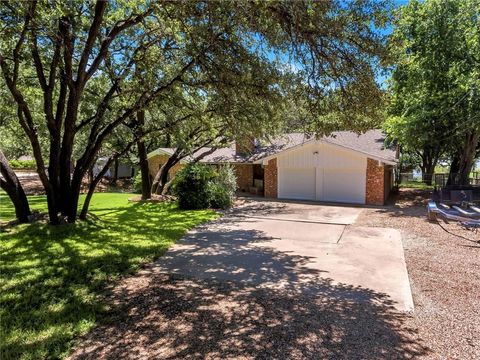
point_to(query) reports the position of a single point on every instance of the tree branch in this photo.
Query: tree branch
(116, 30)
(100, 7)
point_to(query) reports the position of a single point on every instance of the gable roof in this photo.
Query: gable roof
(220, 155)
(370, 143)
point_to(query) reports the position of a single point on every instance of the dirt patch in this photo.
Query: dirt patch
(443, 261)
(33, 186)
(31, 183)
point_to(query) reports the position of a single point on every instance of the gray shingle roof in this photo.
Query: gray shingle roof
(370, 143)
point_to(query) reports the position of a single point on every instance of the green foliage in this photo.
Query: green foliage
(435, 85)
(52, 277)
(192, 186)
(137, 182)
(23, 164)
(199, 186)
(409, 161)
(223, 187)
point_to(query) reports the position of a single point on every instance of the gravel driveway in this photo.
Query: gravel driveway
(443, 262)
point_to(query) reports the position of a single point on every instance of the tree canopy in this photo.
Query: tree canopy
(435, 98)
(77, 72)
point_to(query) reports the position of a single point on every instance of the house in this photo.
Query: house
(343, 167)
(120, 169)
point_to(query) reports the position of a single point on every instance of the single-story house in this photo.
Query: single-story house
(344, 167)
(121, 169)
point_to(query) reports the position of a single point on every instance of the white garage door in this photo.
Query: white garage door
(296, 183)
(344, 186)
(322, 184)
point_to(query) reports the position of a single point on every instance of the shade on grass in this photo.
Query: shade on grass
(51, 277)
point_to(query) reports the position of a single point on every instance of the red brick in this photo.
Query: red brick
(271, 179)
(375, 184)
(244, 174)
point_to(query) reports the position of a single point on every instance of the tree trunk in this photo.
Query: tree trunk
(91, 189)
(428, 167)
(429, 157)
(454, 168)
(142, 156)
(14, 189)
(161, 178)
(467, 157)
(115, 172)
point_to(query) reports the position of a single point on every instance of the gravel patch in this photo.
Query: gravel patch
(443, 261)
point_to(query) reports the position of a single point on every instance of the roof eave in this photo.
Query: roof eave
(372, 156)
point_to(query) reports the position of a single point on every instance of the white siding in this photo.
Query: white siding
(327, 157)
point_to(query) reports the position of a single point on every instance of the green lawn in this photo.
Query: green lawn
(51, 277)
(416, 185)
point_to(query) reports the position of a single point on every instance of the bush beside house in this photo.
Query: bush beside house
(200, 186)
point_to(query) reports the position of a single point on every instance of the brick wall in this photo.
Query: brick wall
(271, 179)
(375, 187)
(244, 174)
(156, 161)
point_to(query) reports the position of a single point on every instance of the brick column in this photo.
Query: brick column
(375, 184)
(271, 179)
(244, 174)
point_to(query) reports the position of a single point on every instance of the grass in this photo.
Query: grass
(416, 185)
(52, 277)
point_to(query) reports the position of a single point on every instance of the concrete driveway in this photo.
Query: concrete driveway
(295, 247)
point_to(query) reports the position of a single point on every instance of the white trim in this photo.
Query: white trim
(371, 156)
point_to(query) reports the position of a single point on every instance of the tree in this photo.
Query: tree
(197, 144)
(97, 64)
(11, 185)
(435, 102)
(142, 155)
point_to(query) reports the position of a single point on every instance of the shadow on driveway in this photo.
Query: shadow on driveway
(158, 315)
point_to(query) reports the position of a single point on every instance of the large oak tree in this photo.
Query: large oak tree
(80, 70)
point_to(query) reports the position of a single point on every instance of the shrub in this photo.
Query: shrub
(137, 182)
(222, 188)
(23, 164)
(192, 186)
(200, 186)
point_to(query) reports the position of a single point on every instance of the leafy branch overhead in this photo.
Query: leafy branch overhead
(79, 71)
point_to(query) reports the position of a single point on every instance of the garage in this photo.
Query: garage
(322, 172)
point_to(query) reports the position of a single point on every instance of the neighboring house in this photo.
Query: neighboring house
(344, 167)
(123, 169)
